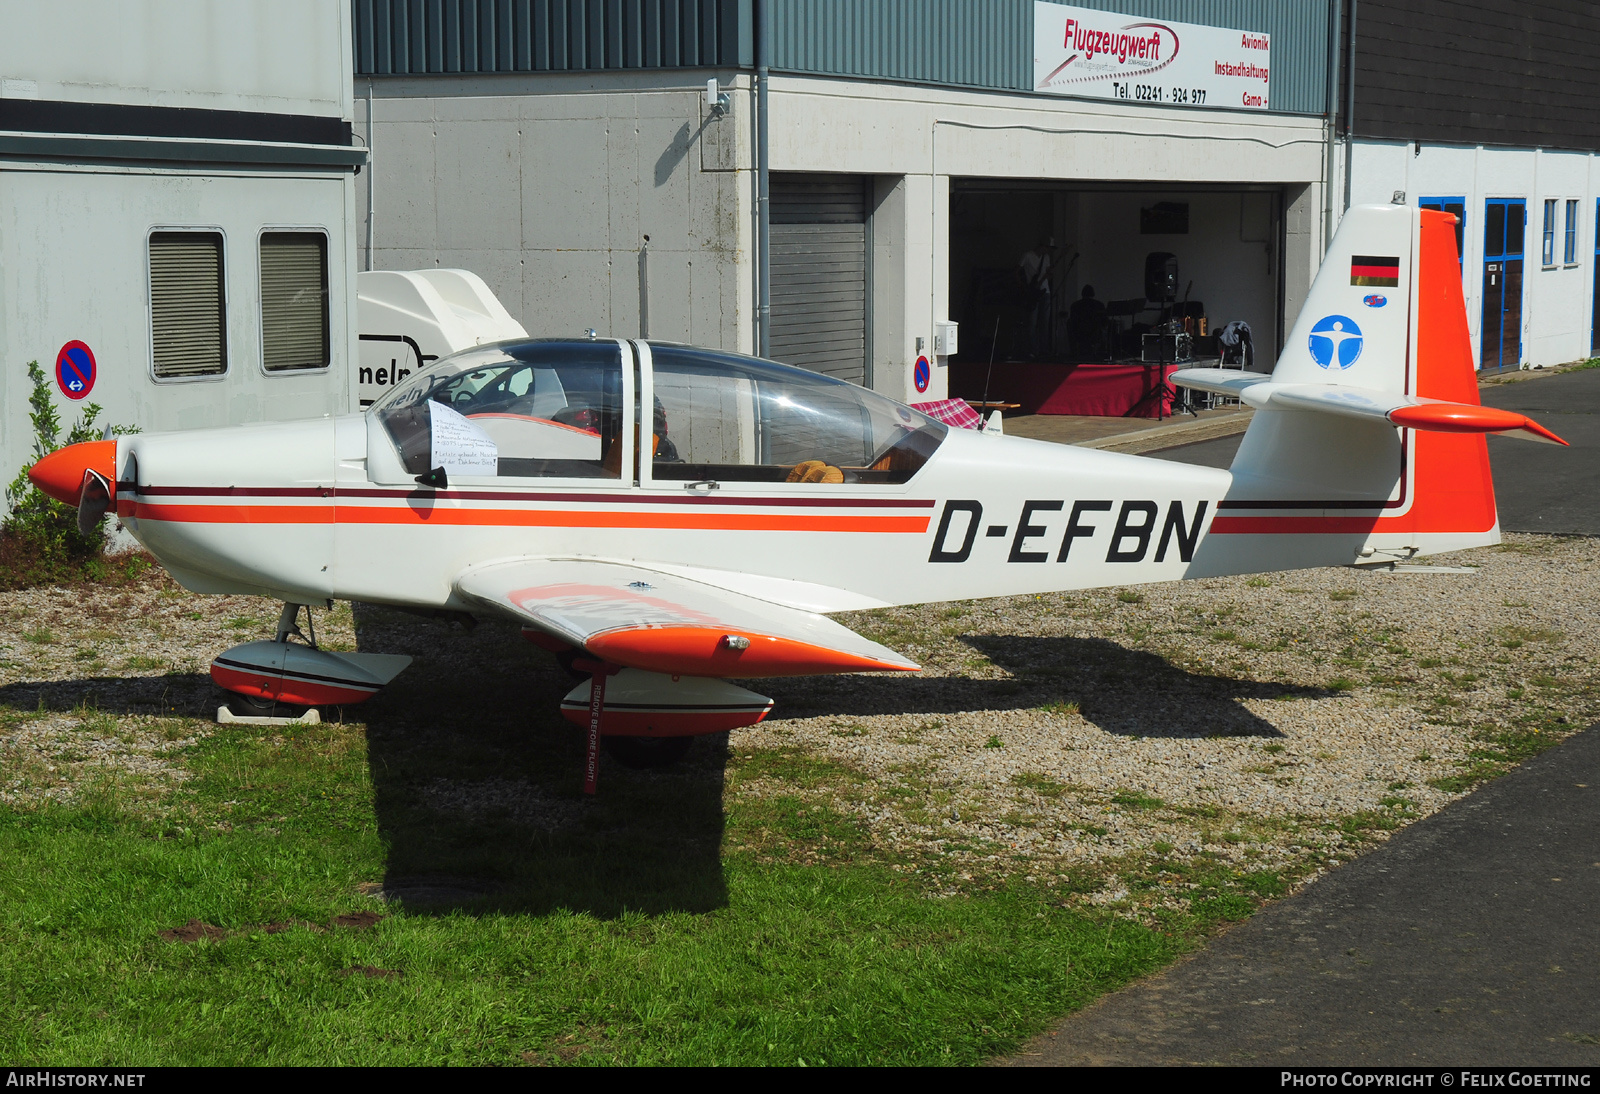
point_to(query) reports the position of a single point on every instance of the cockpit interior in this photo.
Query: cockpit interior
(551, 408)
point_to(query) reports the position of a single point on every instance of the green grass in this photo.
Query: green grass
(724, 912)
(1136, 799)
(1040, 784)
(797, 964)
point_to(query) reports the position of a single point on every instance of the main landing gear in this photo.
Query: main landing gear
(645, 720)
(634, 750)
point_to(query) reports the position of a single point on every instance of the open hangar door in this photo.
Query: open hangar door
(1189, 259)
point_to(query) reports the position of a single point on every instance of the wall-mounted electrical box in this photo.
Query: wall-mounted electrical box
(944, 339)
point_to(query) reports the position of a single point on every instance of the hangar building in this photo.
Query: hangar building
(916, 151)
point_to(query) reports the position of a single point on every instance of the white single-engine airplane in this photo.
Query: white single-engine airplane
(521, 479)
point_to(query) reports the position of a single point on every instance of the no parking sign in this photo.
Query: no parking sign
(75, 370)
(919, 374)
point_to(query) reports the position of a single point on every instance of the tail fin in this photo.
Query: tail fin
(1324, 476)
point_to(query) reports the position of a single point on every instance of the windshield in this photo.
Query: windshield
(523, 409)
(727, 417)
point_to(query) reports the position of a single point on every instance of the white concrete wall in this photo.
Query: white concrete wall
(74, 265)
(287, 56)
(1557, 300)
(546, 187)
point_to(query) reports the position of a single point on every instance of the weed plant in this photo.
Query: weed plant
(39, 540)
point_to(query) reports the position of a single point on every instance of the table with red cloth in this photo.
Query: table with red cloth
(1109, 390)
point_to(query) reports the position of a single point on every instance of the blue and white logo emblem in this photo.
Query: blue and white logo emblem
(1335, 342)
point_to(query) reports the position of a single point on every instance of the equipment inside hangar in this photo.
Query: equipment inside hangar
(1083, 296)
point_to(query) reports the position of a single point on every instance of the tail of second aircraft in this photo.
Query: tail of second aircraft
(1368, 438)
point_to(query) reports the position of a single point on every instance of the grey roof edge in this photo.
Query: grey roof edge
(76, 147)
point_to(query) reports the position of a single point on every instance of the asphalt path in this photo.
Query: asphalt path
(1470, 938)
(1539, 487)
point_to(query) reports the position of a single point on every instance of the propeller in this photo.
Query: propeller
(94, 501)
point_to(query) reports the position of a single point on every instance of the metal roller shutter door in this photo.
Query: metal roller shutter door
(819, 274)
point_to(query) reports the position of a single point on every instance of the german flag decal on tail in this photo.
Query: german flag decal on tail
(1375, 270)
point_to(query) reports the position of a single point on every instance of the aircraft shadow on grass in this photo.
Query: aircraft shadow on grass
(477, 785)
(178, 694)
(1122, 691)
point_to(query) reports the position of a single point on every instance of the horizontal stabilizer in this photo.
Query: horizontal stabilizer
(645, 619)
(1409, 411)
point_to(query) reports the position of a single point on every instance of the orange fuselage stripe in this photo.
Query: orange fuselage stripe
(520, 518)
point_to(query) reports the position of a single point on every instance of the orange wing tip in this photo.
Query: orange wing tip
(60, 474)
(1463, 418)
(702, 651)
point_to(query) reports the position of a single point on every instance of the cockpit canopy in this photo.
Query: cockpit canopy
(553, 409)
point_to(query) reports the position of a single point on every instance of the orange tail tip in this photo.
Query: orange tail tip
(60, 474)
(1461, 418)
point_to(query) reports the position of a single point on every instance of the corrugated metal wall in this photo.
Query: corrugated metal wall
(417, 37)
(961, 43)
(989, 43)
(970, 43)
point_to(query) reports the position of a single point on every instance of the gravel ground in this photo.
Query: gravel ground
(1280, 722)
(105, 683)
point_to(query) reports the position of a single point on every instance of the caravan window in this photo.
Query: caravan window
(516, 409)
(188, 307)
(732, 418)
(294, 300)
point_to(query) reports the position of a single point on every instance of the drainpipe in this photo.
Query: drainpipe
(370, 184)
(763, 183)
(1333, 123)
(1350, 106)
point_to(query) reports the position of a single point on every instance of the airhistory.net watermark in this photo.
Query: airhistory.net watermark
(49, 1079)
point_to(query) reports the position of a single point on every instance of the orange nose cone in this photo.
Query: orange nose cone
(60, 474)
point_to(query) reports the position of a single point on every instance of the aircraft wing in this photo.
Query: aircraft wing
(641, 618)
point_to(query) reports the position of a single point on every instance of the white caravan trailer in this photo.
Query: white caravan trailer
(177, 211)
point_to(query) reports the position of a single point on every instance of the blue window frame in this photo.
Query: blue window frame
(1457, 207)
(1569, 243)
(1594, 303)
(1505, 227)
(1547, 250)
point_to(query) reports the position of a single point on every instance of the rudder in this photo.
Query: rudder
(1311, 488)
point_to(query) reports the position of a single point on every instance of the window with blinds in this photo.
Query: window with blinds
(294, 300)
(187, 306)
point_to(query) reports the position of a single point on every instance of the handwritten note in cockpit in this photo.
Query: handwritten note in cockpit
(458, 445)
